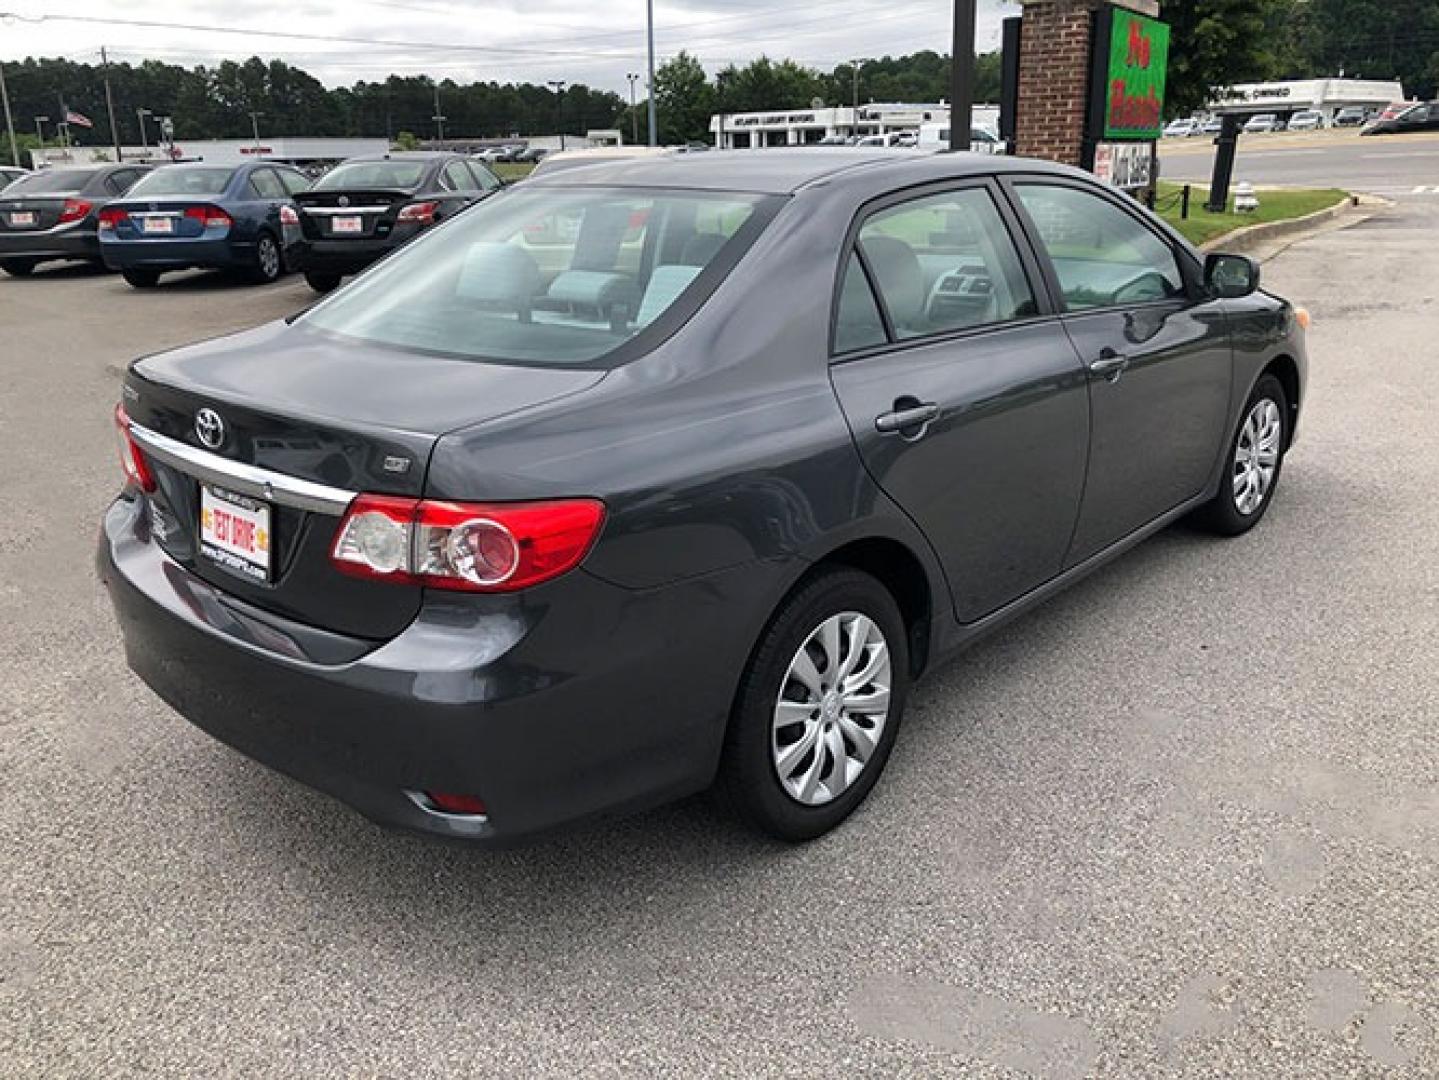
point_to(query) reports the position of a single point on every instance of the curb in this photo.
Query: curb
(1243, 240)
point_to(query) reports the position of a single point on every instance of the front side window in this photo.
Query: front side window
(1102, 256)
(267, 184)
(945, 262)
(546, 275)
(182, 181)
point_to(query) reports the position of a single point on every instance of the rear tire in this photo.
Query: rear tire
(1253, 463)
(818, 707)
(322, 283)
(140, 279)
(19, 267)
(269, 264)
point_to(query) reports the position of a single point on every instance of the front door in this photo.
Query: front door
(965, 398)
(1156, 352)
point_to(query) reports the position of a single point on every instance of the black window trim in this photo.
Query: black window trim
(1039, 285)
(1184, 258)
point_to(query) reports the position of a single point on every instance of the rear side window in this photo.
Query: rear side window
(458, 177)
(267, 184)
(1102, 256)
(945, 262)
(294, 182)
(486, 180)
(858, 323)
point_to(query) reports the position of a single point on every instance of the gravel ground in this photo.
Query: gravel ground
(1182, 822)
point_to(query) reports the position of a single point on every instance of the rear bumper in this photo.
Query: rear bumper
(575, 701)
(345, 256)
(57, 244)
(176, 254)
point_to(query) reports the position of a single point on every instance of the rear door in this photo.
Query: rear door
(1155, 348)
(962, 391)
(271, 196)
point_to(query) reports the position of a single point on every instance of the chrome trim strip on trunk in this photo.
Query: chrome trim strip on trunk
(246, 479)
(341, 211)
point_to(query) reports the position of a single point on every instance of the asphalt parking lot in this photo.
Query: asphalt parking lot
(1183, 821)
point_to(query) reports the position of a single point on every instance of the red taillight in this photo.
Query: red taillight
(208, 215)
(110, 218)
(500, 547)
(132, 459)
(446, 803)
(74, 210)
(289, 216)
(422, 212)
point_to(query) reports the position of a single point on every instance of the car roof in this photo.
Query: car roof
(406, 155)
(785, 171)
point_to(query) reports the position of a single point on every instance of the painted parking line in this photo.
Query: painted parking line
(1422, 189)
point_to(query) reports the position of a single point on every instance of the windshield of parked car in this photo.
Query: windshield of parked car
(182, 181)
(548, 275)
(372, 174)
(51, 182)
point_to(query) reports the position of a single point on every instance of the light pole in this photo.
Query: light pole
(855, 117)
(558, 86)
(40, 122)
(961, 76)
(255, 126)
(438, 118)
(140, 115)
(650, 28)
(634, 77)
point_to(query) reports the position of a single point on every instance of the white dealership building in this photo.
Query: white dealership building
(806, 127)
(1326, 96)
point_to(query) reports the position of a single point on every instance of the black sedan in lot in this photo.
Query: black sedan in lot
(54, 214)
(365, 208)
(675, 469)
(228, 217)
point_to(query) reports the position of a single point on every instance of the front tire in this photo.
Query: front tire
(818, 707)
(1255, 460)
(140, 279)
(322, 283)
(18, 267)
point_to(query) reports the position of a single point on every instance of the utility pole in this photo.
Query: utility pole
(650, 27)
(961, 76)
(110, 106)
(634, 77)
(439, 117)
(558, 86)
(10, 123)
(140, 115)
(855, 117)
(40, 122)
(255, 126)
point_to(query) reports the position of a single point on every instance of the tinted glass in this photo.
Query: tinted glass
(857, 323)
(51, 182)
(372, 174)
(184, 181)
(945, 262)
(267, 184)
(1102, 255)
(543, 276)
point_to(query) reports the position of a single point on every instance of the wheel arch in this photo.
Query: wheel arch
(1283, 368)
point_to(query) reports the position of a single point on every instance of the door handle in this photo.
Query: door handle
(908, 413)
(1110, 364)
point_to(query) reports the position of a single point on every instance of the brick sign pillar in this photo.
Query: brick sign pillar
(1054, 60)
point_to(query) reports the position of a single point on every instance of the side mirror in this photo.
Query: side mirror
(1229, 277)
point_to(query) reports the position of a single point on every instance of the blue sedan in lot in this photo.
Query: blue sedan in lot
(230, 217)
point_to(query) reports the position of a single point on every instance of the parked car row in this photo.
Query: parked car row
(260, 219)
(1406, 116)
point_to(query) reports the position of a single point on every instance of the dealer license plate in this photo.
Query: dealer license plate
(162, 226)
(347, 225)
(235, 532)
(24, 219)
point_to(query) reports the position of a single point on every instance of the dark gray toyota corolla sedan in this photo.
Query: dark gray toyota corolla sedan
(677, 469)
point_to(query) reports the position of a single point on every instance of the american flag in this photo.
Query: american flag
(77, 119)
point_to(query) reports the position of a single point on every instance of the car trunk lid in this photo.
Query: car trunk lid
(303, 425)
(357, 214)
(20, 214)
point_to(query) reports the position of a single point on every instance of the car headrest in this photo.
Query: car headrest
(898, 275)
(666, 284)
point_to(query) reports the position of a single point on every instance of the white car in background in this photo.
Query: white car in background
(1182, 129)
(1263, 122)
(1308, 120)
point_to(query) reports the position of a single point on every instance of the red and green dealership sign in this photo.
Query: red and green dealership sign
(1133, 86)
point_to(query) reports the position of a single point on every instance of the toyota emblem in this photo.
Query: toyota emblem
(209, 428)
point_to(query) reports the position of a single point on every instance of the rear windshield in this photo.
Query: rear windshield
(52, 181)
(548, 275)
(184, 181)
(372, 174)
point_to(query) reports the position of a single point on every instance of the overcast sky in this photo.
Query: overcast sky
(590, 41)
